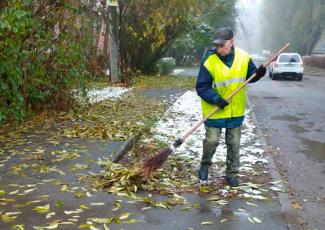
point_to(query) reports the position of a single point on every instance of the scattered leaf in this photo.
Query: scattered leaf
(8, 217)
(14, 192)
(59, 204)
(49, 215)
(18, 227)
(257, 220)
(97, 204)
(79, 195)
(117, 204)
(206, 223)
(103, 220)
(129, 221)
(86, 226)
(296, 205)
(73, 211)
(124, 215)
(42, 209)
(251, 220)
(215, 198)
(251, 204)
(85, 207)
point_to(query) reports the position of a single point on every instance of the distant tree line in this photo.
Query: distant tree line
(300, 22)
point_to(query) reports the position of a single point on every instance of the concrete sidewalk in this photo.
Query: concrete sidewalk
(43, 184)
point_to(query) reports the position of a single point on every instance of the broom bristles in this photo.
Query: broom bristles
(155, 161)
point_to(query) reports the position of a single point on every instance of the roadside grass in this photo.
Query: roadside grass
(166, 81)
(109, 119)
(147, 81)
(115, 119)
(121, 118)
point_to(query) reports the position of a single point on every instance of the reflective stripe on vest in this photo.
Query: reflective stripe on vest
(225, 81)
(228, 82)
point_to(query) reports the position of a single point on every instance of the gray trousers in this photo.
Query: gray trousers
(211, 142)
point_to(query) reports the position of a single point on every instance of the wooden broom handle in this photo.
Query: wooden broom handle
(272, 58)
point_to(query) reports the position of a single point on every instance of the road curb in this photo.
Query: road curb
(125, 147)
(289, 213)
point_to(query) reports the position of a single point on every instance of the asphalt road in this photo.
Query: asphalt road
(292, 117)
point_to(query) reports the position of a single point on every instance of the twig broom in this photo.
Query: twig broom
(158, 159)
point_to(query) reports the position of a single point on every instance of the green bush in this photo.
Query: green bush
(38, 64)
(166, 65)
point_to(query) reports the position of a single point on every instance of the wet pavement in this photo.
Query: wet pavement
(292, 116)
(43, 184)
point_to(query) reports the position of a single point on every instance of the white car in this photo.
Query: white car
(287, 65)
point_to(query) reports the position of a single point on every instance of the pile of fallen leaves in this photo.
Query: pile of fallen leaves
(176, 176)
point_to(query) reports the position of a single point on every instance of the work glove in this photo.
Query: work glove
(221, 103)
(260, 72)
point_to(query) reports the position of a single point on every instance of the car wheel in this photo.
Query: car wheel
(299, 77)
(274, 76)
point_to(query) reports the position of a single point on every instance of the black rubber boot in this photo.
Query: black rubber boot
(233, 181)
(203, 174)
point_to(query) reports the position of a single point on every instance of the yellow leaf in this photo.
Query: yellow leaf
(49, 215)
(14, 192)
(206, 223)
(186, 208)
(103, 220)
(124, 215)
(18, 227)
(8, 218)
(215, 198)
(73, 211)
(79, 195)
(117, 205)
(296, 205)
(86, 226)
(42, 209)
(129, 221)
(52, 226)
(33, 202)
(82, 206)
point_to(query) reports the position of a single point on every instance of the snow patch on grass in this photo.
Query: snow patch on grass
(106, 93)
(185, 113)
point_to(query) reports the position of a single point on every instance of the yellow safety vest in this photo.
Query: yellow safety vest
(225, 81)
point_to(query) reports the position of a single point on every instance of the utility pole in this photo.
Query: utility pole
(114, 54)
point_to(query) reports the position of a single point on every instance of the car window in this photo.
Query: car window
(289, 58)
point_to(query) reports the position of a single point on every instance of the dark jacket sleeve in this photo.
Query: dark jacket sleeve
(204, 86)
(251, 70)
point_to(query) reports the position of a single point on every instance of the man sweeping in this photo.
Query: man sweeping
(223, 70)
